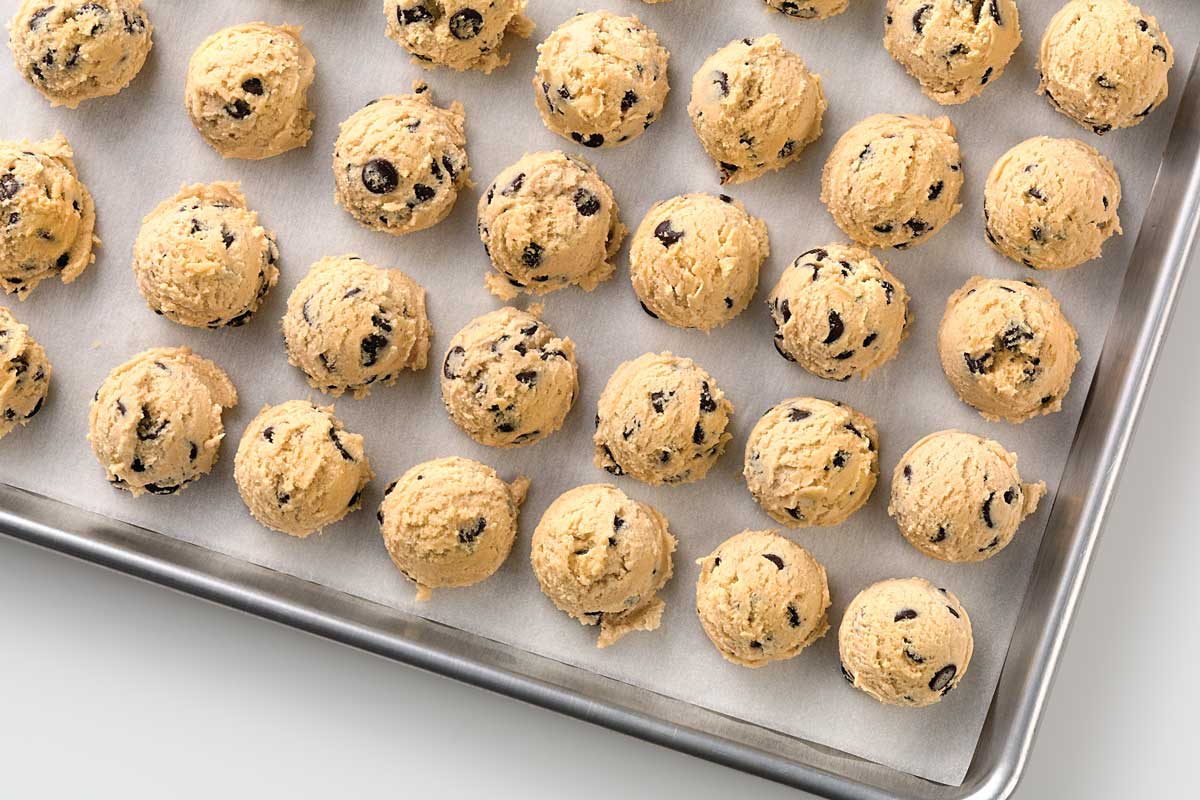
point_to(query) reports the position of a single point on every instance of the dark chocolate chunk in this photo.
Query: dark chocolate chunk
(379, 176)
(774, 559)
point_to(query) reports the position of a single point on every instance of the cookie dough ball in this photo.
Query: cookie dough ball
(547, 222)
(155, 423)
(893, 180)
(450, 522)
(755, 107)
(1104, 63)
(694, 260)
(298, 469)
(838, 312)
(460, 34)
(1007, 349)
(809, 9)
(602, 558)
(47, 218)
(24, 374)
(400, 162)
(201, 258)
(601, 79)
(508, 380)
(662, 420)
(761, 598)
(74, 50)
(1051, 203)
(905, 642)
(811, 462)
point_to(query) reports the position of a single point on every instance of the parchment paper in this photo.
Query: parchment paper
(138, 147)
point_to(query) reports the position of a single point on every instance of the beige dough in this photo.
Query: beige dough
(761, 598)
(811, 462)
(905, 642)
(508, 380)
(755, 107)
(838, 312)
(298, 470)
(155, 423)
(953, 48)
(1051, 203)
(24, 374)
(958, 497)
(450, 522)
(1007, 349)
(662, 420)
(201, 258)
(547, 222)
(460, 34)
(74, 50)
(400, 162)
(1104, 63)
(601, 79)
(893, 180)
(809, 9)
(694, 260)
(602, 558)
(47, 218)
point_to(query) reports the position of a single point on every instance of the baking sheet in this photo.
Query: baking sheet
(138, 147)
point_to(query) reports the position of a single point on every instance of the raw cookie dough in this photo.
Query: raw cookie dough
(350, 325)
(24, 374)
(893, 180)
(905, 642)
(74, 50)
(811, 462)
(155, 423)
(602, 558)
(460, 34)
(1104, 63)
(400, 162)
(958, 497)
(547, 222)
(809, 9)
(761, 598)
(953, 48)
(838, 312)
(1007, 349)
(755, 107)
(508, 380)
(47, 218)
(247, 90)
(601, 79)
(694, 260)
(662, 420)
(450, 522)
(1051, 203)
(201, 258)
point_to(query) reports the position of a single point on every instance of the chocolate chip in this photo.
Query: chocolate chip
(785, 309)
(839, 459)
(990, 545)
(987, 76)
(658, 400)
(917, 226)
(778, 341)
(798, 414)
(369, 348)
(940, 682)
(528, 377)
(227, 238)
(844, 355)
(1035, 233)
(721, 79)
(628, 100)
(155, 488)
(756, 645)
(774, 559)
(252, 86)
(120, 408)
(987, 510)
(918, 18)
(423, 193)
(148, 428)
(379, 176)
(466, 24)
(62, 261)
(238, 109)
(333, 437)
(836, 328)
(472, 532)
(940, 536)
(586, 203)
(935, 190)
(951, 608)
(137, 466)
(729, 302)
(698, 434)
(590, 140)
(1010, 494)
(9, 186)
(883, 227)
(666, 234)
(846, 674)
(794, 513)
(648, 311)
(1100, 130)
(531, 256)
(905, 613)
(788, 149)
(980, 365)
(913, 657)
(1162, 51)
(707, 404)
(514, 186)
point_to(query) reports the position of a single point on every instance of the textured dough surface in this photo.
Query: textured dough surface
(47, 217)
(1104, 63)
(662, 420)
(755, 107)
(809, 9)
(460, 34)
(905, 642)
(1051, 203)
(761, 598)
(694, 260)
(602, 558)
(601, 79)
(893, 180)
(201, 258)
(958, 497)
(450, 522)
(74, 50)
(508, 379)
(1007, 349)
(24, 374)
(839, 312)
(298, 469)
(547, 222)
(155, 423)
(351, 325)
